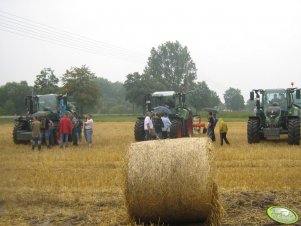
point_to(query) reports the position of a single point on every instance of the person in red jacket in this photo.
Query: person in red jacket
(65, 128)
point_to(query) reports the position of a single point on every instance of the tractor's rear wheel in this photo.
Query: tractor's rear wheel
(294, 131)
(176, 129)
(139, 130)
(253, 131)
(189, 127)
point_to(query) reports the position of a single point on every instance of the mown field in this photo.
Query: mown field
(82, 186)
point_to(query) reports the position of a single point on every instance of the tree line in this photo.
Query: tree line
(91, 93)
(169, 67)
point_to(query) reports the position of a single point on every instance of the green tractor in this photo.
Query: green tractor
(40, 106)
(276, 113)
(173, 104)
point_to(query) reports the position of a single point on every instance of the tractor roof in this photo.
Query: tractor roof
(50, 94)
(275, 90)
(163, 93)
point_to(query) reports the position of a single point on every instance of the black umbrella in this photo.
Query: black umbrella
(210, 110)
(162, 109)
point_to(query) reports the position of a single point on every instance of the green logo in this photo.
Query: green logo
(282, 215)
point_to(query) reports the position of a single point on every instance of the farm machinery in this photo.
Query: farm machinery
(173, 104)
(40, 106)
(276, 113)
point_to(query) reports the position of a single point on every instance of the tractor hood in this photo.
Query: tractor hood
(273, 112)
(273, 116)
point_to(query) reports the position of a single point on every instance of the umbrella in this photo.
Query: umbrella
(162, 109)
(210, 110)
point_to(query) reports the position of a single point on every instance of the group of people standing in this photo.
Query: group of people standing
(68, 127)
(156, 125)
(223, 128)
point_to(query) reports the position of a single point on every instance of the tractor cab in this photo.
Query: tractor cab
(165, 101)
(275, 98)
(275, 105)
(42, 103)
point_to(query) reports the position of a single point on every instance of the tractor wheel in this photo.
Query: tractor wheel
(139, 130)
(176, 129)
(189, 127)
(294, 131)
(18, 126)
(253, 131)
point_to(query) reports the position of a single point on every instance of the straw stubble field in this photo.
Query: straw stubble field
(78, 186)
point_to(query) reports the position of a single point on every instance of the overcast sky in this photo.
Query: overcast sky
(239, 44)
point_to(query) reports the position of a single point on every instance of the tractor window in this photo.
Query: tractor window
(166, 101)
(47, 103)
(296, 101)
(275, 99)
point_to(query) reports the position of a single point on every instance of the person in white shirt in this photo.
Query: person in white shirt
(89, 129)
(148, 126)
(167, 124)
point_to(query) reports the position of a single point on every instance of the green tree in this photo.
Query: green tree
(16, 93)
(168, 67)
(46, 82)
(250, 105)
(171, 65)
(233, 99)
(136, 87)
(201, 96)
(113, 97)
(79, 83)
(9, 108)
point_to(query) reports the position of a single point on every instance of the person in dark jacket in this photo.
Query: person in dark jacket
(211, 125)
(158, 125)
(79, 130)
(74, 123)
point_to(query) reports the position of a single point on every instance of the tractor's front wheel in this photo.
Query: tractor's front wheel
(16, 128)
(19, 125)
(139, 130)
(176, 129)
(294, 131)
(253, 131)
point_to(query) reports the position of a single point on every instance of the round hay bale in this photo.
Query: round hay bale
(170, 181)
